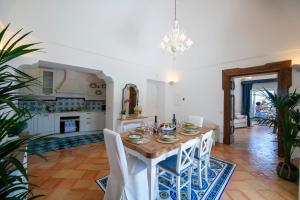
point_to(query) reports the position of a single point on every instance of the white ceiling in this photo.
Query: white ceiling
(131, 30)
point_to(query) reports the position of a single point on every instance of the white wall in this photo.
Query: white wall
(226, 35)
(110, 36)
(122, 38)
(238, 95)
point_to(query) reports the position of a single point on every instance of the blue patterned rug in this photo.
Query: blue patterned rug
(218, 176)
(59, 143)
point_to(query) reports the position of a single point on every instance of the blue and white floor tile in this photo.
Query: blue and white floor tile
(218, 177)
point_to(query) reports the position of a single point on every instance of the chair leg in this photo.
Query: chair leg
(190, 183)
(178, 187)
(157, 182)
(208, 160)
(200, 173)
(206, 173)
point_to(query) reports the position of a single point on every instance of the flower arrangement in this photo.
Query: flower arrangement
(123, 112)
(138, 109)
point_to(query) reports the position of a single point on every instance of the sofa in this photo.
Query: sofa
(240, 121)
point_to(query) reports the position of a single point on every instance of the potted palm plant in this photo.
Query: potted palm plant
(13, 175)
(287, 121)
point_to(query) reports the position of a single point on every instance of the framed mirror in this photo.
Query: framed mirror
(130, 98)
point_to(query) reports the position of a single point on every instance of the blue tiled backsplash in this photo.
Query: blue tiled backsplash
(62, 105)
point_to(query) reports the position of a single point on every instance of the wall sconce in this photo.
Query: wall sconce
(171, 83)
(296, 67)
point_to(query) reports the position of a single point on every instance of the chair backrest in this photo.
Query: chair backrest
(205, 144)
(116, 158)
(185, 156)
(197, 120)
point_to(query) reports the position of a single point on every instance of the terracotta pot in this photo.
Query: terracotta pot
(287, 172)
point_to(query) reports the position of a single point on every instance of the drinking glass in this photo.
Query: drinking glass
(178, 125)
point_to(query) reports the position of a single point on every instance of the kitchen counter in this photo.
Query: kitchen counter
(51, 122)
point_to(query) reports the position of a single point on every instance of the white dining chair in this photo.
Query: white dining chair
(202, 156)
(172, 168)
(127, 179)
(211, 144)
(197, 120)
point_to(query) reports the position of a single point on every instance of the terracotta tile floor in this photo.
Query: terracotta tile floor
(70, 174)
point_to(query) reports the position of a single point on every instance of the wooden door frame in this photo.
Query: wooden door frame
(284, 76)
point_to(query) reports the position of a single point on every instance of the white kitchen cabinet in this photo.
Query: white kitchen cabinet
(31, 125)
(47, 79)
(41, 123)
(92, 121)
(56, 123)
(45, 123)
(50, 122)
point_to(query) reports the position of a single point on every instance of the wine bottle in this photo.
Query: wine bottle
(174, 121)
(155, 128)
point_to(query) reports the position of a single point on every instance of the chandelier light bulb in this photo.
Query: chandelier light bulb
(166, 39)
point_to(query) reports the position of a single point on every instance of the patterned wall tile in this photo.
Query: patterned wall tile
(62, 104)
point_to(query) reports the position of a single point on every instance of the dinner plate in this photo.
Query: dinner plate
(189, 133)
(189, 130)
(142, 141)
(168, 137)
(166, 142)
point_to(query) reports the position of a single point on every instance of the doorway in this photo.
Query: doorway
(284, 75)
(156, 99)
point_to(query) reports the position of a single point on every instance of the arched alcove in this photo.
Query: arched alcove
(109, 119)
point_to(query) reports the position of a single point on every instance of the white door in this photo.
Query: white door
(155, 102)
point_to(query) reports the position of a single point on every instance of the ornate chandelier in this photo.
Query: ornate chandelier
(176, 41)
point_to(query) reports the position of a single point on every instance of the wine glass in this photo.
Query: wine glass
(149, 130)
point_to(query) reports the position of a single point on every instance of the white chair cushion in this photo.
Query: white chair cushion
(128, 178)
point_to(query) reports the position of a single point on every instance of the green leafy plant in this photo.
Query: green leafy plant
(13, 185)
(287, 121)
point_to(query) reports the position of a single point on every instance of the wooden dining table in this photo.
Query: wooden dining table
(151, 152)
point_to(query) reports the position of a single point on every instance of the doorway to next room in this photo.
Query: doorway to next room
(252, 108)
(283, 71)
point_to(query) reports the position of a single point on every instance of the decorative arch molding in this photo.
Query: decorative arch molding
(283, 69)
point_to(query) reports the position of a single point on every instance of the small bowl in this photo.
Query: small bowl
(167, 128)
(140, 130)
